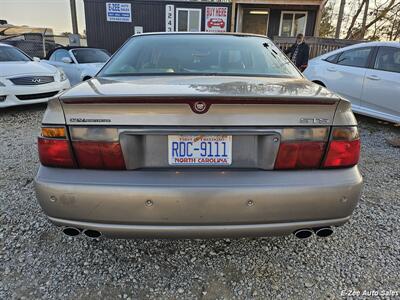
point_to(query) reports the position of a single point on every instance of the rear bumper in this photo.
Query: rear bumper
(197, 203)
(197, 231)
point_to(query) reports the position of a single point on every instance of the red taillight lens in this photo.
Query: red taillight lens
(342, 154)
(299, 155)
(104, 153)
(344, 148)
(99, 155)
(55, 153)
(308, 148)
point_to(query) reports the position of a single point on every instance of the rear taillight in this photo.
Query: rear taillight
(308, 148)
(301, 148)
(99, 155)
(300, 155)
(344, 148)
(93, 148)
(97, 148)
(54, 148)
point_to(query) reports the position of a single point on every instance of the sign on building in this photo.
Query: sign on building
(74, 39)
(169, 18)
(118, 12)
(216, 19)
(138, 29)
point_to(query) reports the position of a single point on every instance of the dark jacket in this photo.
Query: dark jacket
(302, 55)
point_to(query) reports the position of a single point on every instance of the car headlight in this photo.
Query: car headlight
(63, 77)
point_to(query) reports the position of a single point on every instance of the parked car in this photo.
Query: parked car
(79, 63)
(25, 81)
(367, 74)
(198, 135)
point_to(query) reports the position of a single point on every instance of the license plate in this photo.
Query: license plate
(200, 150)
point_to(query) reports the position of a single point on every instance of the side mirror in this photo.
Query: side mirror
(36, 59)
(66, 60)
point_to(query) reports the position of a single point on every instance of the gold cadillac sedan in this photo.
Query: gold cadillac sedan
(189, 135)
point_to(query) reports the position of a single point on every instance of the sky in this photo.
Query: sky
(53, 14)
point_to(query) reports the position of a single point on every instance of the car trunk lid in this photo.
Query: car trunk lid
(171, 101)
(141, 116)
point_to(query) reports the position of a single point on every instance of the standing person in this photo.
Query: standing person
(299, 53)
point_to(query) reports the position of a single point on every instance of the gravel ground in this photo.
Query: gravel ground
(39, 262)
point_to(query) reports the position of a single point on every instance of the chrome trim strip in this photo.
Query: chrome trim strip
(221, 130)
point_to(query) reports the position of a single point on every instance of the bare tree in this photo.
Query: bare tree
(354, 19)
(379, 14)
(390, 25)
(364, 21)
(326, 28)
(340, 19)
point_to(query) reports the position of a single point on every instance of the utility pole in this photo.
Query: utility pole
(340, 19)
(364, 21)
(73, 17)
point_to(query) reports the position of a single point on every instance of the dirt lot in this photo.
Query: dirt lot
(37, 261)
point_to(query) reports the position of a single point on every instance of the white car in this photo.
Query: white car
(79, 63)
(367, 74)
(25, 81)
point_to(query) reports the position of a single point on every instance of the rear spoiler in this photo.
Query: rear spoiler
(200, 104)
(190, 99)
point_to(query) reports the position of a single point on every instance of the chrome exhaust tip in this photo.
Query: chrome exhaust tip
(92, 233)
(303, 233)
(323, 231)
(71, 231)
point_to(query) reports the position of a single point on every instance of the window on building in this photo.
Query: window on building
(188, 19)
(293, 23)
(388, 59)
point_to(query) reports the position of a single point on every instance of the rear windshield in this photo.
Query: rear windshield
(88, 56)
(199, 54)
(12, 54)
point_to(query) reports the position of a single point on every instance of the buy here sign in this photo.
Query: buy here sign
(216, 19)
